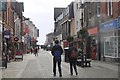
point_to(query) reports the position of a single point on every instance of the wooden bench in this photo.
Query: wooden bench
(87, 62)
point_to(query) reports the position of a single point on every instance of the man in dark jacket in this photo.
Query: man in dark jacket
(57, 52)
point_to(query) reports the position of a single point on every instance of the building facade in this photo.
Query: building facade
(77, 16)
(58, 18)
(49, 39)
(30, 33)
(109, 37)
(95, 14)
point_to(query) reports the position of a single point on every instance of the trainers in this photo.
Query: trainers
(54, 75)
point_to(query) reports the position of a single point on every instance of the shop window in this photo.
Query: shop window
(77, 6)
(111, 47)
(98, 9)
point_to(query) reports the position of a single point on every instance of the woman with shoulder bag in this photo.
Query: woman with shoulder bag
(73, 59)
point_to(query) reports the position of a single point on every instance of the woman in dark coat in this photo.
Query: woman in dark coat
(73, 58)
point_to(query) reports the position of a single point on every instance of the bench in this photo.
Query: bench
(87, 62)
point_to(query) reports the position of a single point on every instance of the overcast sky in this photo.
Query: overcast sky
(41, 12)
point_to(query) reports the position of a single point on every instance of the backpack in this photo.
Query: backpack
(57, 53)
(73, 54)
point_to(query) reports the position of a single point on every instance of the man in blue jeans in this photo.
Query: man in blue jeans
(57, 52)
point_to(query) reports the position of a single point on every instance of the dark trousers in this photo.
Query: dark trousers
(55, 61)
(73, 64)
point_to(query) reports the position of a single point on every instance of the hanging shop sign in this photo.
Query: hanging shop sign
(0, 27)
(6, 33)
(16, 38)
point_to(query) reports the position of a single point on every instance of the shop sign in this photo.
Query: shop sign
(119, 22)
(23, 39)
(16, 38)
(93, 31)
(108, 25)
(37, 32)
(0, 28)
(27, 29)
(6, 33)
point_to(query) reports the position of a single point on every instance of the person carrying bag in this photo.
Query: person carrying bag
(73, 58)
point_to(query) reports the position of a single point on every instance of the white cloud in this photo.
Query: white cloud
(61, 3)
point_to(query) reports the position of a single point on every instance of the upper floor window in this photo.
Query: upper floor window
(98, 9)
(77, 6)
(109, 7)
(77, 23)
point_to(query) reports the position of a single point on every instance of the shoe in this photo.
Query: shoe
(54, 75)
(71, 74)
(60, 75)
(76, 73)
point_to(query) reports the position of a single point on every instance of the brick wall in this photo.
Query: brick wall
(116, 9)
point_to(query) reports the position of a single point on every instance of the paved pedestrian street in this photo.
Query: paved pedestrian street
(41, 67)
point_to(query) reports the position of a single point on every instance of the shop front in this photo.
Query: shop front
(109, 40)
(94, 39)
(119, 37)
(93, 33)
(0, 40)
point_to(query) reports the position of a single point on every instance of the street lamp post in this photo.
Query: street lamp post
(3, 9)
(82, 6)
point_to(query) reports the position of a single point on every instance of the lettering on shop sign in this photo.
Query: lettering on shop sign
(119, 22)
(108, 25)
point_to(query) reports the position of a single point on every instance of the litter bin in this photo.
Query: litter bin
(66, 54)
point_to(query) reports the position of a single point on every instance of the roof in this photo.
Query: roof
(49, 34)
(57, 12)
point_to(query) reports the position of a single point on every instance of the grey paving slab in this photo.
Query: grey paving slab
(41, 67)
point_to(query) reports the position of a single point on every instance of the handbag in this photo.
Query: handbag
(73, 54)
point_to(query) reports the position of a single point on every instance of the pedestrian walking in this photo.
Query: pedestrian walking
(73, 58)
(57, 52)
(36, 51)
(94, 50)
(31, 49)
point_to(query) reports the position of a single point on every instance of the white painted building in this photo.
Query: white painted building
(58, 33)
(35, 32)
(77, 17)
(17, 26)
(32, 29)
